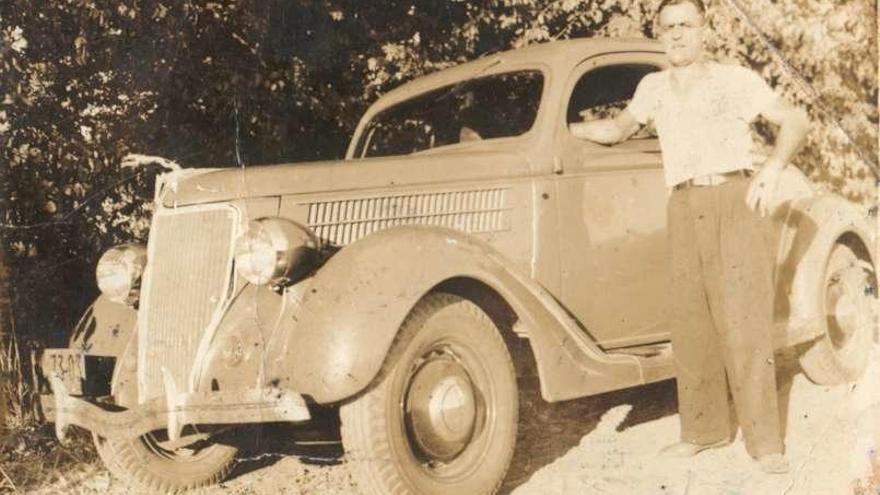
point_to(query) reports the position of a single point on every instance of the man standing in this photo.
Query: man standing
(722, 278)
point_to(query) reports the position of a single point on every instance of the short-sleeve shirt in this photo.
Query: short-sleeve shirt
(707, 130)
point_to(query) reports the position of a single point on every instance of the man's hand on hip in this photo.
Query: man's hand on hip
(762, 190)
(793, 126)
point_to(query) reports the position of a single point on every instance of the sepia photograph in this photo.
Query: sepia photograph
(439, 247)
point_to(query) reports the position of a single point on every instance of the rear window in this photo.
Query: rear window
(489, 107)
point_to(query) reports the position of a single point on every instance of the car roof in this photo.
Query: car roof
(560, 55)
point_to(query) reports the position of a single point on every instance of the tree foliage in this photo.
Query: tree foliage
(235, 83)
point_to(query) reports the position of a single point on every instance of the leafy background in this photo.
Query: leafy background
(222, 83)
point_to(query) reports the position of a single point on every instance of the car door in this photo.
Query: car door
(612, 211)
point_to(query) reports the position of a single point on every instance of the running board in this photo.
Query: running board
(655, 359)
(576, 368)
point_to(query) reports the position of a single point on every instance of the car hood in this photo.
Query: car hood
(197, 186)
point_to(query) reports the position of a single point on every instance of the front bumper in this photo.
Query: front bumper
(175, 410)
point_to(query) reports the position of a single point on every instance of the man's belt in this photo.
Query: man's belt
(713, 179)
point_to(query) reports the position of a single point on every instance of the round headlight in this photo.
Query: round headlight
(274, 250)
(119, 272)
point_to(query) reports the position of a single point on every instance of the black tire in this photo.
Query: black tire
(841, 354)
(144, 462)
(441, 416)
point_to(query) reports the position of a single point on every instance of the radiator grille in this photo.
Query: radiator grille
(186, 281)
(342, 222)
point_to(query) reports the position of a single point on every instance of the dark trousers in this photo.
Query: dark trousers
(722, 317)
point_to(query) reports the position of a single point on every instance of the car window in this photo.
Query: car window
(603, 92)
(495, 106)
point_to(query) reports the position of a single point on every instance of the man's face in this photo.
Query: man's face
(681, 30)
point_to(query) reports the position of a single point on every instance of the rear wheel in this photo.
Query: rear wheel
(442, 415)
(157, 465)
(841, 354)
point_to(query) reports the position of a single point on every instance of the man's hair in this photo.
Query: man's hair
(701, 8)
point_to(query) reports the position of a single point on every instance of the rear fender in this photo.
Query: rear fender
(815, 226)
(342, 327)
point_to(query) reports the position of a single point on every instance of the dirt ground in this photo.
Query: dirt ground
(604, 444)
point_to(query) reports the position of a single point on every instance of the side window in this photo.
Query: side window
(494, 106)
(603, 92)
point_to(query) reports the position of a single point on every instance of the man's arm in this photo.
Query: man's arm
(607, 131)
(793, 125)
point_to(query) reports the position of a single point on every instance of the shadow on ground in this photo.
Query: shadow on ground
(317, 443)
(787, 367)
(548, 431)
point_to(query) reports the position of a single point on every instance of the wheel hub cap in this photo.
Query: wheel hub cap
(844, 313)
(441, 408)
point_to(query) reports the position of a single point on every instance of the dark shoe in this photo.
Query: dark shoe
(773, 464)
(688, 449)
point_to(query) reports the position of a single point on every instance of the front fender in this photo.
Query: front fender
(346, 320)
(820, 223)
(105, 328)
(108, 328)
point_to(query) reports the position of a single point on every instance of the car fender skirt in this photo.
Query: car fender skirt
(349, 316)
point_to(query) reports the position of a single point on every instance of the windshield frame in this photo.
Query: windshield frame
(417, 89)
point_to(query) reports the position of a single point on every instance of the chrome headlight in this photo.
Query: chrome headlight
(274, 250)
(119, 272)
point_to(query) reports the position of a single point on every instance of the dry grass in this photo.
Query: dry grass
(15, 391)
(31, 458)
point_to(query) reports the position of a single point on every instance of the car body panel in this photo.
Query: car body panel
(613, 225)
(237, 354)
(469, 164)
(352, 308)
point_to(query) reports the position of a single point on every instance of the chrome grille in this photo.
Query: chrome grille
(187, 280)
(342, 222)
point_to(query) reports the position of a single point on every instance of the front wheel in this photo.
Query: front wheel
(841, 354)
(442, 415)
(156, 465)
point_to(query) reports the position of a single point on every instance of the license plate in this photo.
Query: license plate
(68, 365)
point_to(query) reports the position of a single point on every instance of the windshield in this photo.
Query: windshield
(495, 106)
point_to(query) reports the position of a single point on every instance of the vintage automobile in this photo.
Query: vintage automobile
(468, 238)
